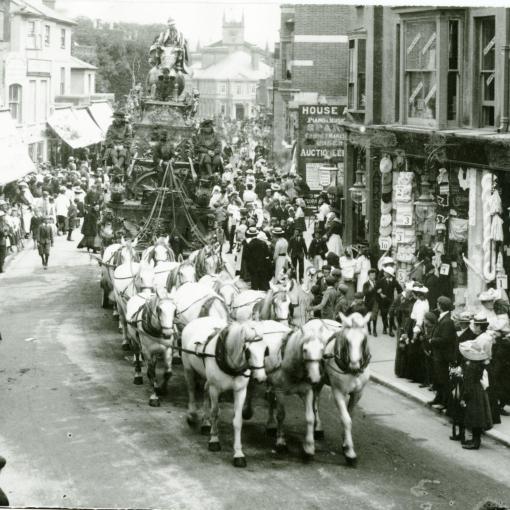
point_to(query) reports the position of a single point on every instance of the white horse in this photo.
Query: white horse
(226, 356)
(227, 288)
(182, 273)
(346, 355)
(158, 253)
(124, 287)
(154, 323)
(108, 262)
(243, 306)
(293, 368)
(193, 300)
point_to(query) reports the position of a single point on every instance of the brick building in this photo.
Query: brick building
(311, 61)
(430, 140)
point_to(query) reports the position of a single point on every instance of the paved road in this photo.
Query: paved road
(77, 432)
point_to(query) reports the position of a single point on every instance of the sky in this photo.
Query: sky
(199, 20)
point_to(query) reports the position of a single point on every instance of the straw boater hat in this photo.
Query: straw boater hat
(466, 316)
(275, 187)
(390, 270)
(420, 289)
(23, 184)
(480, 318)
(252, 232)
(278, 231)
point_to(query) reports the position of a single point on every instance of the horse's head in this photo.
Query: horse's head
(162, 253)
(126, 254)
(256, 350)
(228, 290)
(351, 345)
(303, 356)
(185, 273)
(165, 312)
(280, 303)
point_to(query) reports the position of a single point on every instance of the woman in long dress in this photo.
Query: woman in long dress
(363, 266)
(281, 256)
(334, 240)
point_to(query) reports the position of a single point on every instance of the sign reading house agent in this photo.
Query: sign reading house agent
(321, 139)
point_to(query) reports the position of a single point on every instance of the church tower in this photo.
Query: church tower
(233, 31)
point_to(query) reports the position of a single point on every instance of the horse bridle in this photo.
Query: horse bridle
(341, 366)
(255, 339)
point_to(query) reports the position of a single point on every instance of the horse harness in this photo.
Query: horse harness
(220, 353)
(341, 356)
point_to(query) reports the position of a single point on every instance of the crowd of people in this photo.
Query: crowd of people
(49, 203)
(262, 220)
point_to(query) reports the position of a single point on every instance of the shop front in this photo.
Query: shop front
(436, 199)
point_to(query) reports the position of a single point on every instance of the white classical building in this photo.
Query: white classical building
(38, 75)
(227, 74)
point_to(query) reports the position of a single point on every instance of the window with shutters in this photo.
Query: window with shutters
(487, 69)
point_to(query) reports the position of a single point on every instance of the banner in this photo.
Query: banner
(321, 138)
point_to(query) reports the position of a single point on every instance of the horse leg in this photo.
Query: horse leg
(309, 444)
(281, 443)
(247, 408)
(138, 379)
(318, 432)
(206, 420)
(271, 422)
(151, 374)
(189, 376)
(168, 369)
(237, 422)
(345, 417)
(214, 440)
(126, 345)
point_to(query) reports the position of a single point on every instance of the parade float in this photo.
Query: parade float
(159, 159)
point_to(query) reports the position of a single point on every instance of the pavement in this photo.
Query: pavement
(77, 433)
(381, 368)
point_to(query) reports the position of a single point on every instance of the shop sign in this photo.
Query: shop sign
(403, 192)
(502, 282)
(321, 137)
(404, 218)
(385, 243)
(405, 236)
(405, 252)
(404, 178)
(444, 269)
(402, 276)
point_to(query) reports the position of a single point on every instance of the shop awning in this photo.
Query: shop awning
(15, 162)
(102, 113)
(75, 127)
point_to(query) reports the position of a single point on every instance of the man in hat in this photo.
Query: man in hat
(44, 241)
(358, 305)
(443, 343)
(386, 288)
(62, 204)
(118, 141)
(258, 260)
(298, 251)
(208, 149)
(487, 300)
(172, 37)
(233, 217)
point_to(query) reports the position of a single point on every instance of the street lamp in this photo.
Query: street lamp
(358, 190)
(425, 205)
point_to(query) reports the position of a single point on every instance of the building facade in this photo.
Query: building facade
(227, 74)
(429, 142)
(38, 71)
(311, 61)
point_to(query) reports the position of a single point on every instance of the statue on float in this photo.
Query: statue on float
(168, 56)
(118, 141)
(208, 149)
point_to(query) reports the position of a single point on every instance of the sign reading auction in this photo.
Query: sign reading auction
(321, 140)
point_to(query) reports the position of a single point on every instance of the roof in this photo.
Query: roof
(76, 63)
(236, 66)
(34, 8)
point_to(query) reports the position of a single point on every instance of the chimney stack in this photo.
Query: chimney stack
(49, 3)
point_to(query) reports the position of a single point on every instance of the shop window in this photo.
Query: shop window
(487, 64)
(40, 151)
(356, 86)
(62, 81)
(32, 151)
(452, 93)
(15, 102)
(420, 71)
